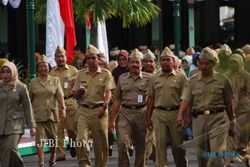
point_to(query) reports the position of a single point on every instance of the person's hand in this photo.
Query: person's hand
(112, 126)
(32, 131)
(101, 113)
(62, 113)
(149, 124)
(180, 122)
(232, 128)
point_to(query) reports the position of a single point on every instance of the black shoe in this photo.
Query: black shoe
(131, 152)
(60, 158)
(72, 152)
(110, 152)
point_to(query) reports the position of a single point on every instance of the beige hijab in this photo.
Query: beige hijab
(14, 76)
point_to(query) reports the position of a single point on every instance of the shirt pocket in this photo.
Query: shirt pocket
(174, 88)
(143, 88)
(197, 93)
(18, 122)
(84, 84)
(125, 88)
(217, 93)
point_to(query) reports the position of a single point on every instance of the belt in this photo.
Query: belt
(133, 106)
(67, 97)
(168, 108)
(92, 106)
(196, 113)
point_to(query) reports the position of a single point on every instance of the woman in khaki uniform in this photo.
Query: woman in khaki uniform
(45, 93)
(240, 81)
(15, 111)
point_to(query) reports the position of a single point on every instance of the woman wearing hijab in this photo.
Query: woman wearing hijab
(15, 112)
(46, 93)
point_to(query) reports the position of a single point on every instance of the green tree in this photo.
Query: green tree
(138, 12)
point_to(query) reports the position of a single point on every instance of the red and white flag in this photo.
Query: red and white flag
(60, 22)
(66, 10)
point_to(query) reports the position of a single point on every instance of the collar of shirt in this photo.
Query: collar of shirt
(140, 75)
(49, 80)
(214, 76)
(66, 67)
(173, 72)
(99, 70)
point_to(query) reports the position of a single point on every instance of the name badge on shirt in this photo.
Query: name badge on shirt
(140, 98)
(66, 85)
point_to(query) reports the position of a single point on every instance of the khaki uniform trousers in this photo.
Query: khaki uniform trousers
(150, 145)
(165, 123)
(87, 121)
(210, 132)
(131, 125)
(241, 140)
(9, 155)
(69, 123)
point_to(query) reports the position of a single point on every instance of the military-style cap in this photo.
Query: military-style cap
(247, 58)
(246, 49)
(167, 52)
(136, 54)
(240, 52)
(209, 54)
(43, 59)
(60, 50)
(92, 50)
(2, 61)
(225, 50)
(149, 54)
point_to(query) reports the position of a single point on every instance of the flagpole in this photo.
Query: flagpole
(30, 7)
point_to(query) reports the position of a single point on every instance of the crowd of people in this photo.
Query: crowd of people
(148, 99)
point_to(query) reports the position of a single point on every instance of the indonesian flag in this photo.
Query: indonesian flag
(60, 22)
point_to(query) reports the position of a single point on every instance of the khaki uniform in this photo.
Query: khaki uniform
(43, 96)
(66, 76)
(209, 130)
(15, 112)
(132, 117)
(87, 120)
(166, 91)
(240, 82)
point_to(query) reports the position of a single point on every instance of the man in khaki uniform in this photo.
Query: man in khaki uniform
(130, 96)
(149, 62)
(93, 87)
(164, 92)
(149, 66)
(210, 95)
(67, 75)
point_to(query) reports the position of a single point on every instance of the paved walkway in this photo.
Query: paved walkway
(31, 161)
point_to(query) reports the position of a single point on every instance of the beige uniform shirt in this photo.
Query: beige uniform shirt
(130, 91)
(210, 94)
(66, 76)
(44, 98)
(15, 109)
(95, 85)
(241, 89)
(167, 90)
